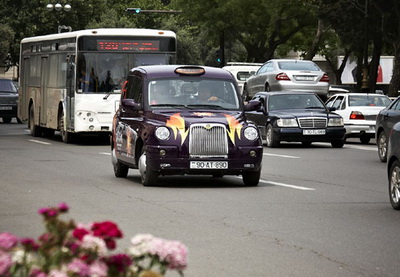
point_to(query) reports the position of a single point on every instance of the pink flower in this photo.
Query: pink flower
(57, 273)
(79, 233)
(98, 269)
(5, 262)
(119, 261)
(37, 273)
(48, 212)
(63, 207)
(29, 244)
(79, 267)
(106, 229)
(174, 253)
(7, 240)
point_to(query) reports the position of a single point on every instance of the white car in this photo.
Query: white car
(359, 112)
(242, 71)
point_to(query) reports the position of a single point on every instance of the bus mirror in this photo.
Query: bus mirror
(129, 103)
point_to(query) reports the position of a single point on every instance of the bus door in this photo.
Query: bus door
(44, 80)
(70, 97)
(23, 101)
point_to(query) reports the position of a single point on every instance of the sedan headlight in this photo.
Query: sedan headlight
(251, 133)
(336, 121)
(162, 133)
(287, 122)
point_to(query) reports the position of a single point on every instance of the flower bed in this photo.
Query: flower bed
(68, 249)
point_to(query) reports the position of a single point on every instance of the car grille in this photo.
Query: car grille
(208, 140)
(312, 122)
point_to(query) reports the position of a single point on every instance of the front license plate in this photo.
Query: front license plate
(208, 165)
(5, 108)
(314, 132)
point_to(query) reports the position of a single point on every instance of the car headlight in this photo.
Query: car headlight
(336, 121)
(162, 133)
(251, 133)
(287, 122)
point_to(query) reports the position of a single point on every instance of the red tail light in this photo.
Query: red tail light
(356, 115)
(282, 77)
(325, 78)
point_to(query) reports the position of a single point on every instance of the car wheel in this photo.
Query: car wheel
(394, 185)
(66, 136)
(337, 143)
(267, 87)
(149, 177)
(251, 178)
(120, 170)
(364, 139)
(7, 119)
(271, 139)
(19, 120)
(382, 147)
(35, 130)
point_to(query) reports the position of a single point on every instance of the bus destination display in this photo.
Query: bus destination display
(128, 45)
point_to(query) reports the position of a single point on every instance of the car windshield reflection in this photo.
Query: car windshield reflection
(293, 101)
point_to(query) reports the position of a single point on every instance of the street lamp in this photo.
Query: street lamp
(58, 8)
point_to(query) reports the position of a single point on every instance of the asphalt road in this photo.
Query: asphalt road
(318, 211)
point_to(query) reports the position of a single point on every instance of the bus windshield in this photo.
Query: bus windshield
(104, 72)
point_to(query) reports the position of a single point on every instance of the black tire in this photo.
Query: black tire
(365, 139)
(48, 133)
(382, 146)
(394, 185)
(7, 119)
(66, 136)
(267, 87)
(35, 130)
(19, 120)
(337, 143)
(120, 170)
(149, 177)
(271, 140)
(251, 178)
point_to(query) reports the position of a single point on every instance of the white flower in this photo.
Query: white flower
(94, 243)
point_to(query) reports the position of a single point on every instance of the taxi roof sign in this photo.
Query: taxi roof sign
(190, 70)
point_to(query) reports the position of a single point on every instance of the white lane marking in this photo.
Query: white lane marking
(368, 148)
(40, 142)
(282, 156)
(285, 185)
(104, 153)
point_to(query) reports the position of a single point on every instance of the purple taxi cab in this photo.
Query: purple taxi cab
(177, 120)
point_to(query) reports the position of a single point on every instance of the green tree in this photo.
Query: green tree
(7, 36)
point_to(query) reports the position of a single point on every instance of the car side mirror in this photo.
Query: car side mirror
(331, 109)
(253, 105)
(130, 103)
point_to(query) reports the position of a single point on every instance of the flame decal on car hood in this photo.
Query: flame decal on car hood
(234, 126)
(177, 124)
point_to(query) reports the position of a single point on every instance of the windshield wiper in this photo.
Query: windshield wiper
(315, 107)
(207, 106)
(169, 105)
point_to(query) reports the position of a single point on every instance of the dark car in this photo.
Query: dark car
(393, 166)
(385, 121)
(184, 120)
(296, 117)
(8, 100)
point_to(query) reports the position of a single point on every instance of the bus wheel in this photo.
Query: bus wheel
(66, 136)
(35, 130)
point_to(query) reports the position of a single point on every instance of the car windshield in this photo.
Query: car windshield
(293, 65)
(294, 101)
(369, 100)
(192, 93)
(7, 86)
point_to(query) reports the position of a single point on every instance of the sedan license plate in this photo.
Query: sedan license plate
(304, 78)
(208, 165)
(314, 132)
(5, 108)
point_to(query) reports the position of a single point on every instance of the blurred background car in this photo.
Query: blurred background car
(393, 166)
(385, 121)
(359, 112)
(8, 100)
(296, 117)
(242, 71)
(288, 75)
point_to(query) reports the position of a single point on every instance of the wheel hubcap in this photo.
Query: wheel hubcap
(395, 185)
(382, 146)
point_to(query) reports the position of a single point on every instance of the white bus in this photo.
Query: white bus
(71, 82)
